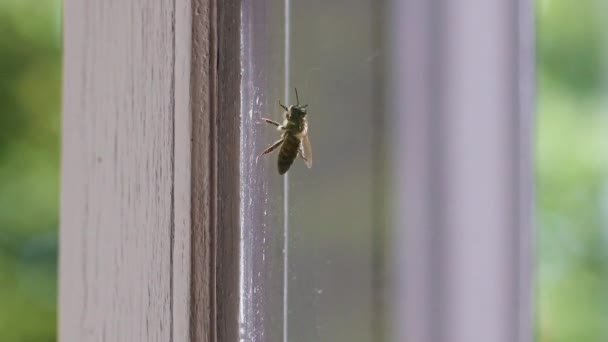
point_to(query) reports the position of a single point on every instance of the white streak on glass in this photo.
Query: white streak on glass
(286, 180)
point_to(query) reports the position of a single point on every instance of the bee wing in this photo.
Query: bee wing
(307, 151)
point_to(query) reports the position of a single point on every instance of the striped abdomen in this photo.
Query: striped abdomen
(288, 152)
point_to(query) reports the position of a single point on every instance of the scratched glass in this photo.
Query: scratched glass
(325, 223)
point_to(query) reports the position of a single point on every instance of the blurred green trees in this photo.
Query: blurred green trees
(572, 170)
(30, 64)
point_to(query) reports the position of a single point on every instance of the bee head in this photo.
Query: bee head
(294, 111)
(297, 111)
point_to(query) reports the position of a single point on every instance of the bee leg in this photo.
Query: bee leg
(272, 122)
(271, 148)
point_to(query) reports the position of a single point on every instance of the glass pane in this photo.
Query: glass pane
(261, 187)
(333, 206)
(331, 213)
(572, 170)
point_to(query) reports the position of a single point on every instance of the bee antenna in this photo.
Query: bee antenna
(297, 98)
(283, 106)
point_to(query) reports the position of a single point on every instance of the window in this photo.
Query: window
(413, 224)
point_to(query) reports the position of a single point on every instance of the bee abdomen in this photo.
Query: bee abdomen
(288, 153)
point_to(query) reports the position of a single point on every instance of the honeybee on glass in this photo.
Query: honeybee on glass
(294, 139)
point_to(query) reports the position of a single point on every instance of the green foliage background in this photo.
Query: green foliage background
(572, 170)
(571, 156)
(30, 61)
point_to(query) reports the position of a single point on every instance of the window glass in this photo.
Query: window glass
(331, 214)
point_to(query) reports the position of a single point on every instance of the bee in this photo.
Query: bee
(294, 138)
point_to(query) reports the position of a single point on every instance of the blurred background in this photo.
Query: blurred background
(571, 160)
(30, 88)
(572, 170)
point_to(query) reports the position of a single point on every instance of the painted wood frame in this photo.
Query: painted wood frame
(462, 95)
(149, 202)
